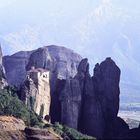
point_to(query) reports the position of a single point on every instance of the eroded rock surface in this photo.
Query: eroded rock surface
(97, 98)
(15, 67)
(79, 100)
(8, 123)
(35, 92)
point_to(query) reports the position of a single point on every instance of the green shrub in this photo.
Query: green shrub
(41, 110)
(11, 90)
(32, 102)
(10, 105)
(69, 133)
(74, 134)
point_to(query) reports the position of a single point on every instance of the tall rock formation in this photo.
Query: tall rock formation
(97, 104)
(106, 79)
(70, 99)
(91, 112)
(80, 108)
(35, 92)
(87, 103)
(60, 61)
(106, 84)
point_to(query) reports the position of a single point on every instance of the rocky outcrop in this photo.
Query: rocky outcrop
(8, 123)
(40, 134)
(70, 99)
(116, 129)
(35, 92)
(106, 83)
(134, 133)
(93, 102)
(3, 82)
(106, 79)
(61, 62)
(91, 114)
(87, 103)
(12, 135)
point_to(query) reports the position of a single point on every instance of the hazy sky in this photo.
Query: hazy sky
(28, 24)
(95, 29)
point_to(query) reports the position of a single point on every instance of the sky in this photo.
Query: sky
(28, 24)
(95, 29)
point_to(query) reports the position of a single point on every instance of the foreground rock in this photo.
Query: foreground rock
(134, 133)
(40, 134)
(8, 123)
(12, 135)
(11, 128)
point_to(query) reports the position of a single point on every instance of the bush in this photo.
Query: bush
(11, 105)
(74, 134)
(69, 133)
(41, 111)
(32, 102)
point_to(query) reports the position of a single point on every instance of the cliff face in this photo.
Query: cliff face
(70, 99)
(61, 62)
(35, 92)
(15, 67)
(93, 101)
(106, 79)
(87, 103)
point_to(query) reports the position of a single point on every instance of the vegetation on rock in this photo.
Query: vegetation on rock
(69, 133)
(10, 105)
